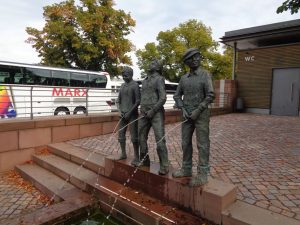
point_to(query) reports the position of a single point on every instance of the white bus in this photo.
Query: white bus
(32, 90)
(117, 81)
(170, 90)
(116, 84)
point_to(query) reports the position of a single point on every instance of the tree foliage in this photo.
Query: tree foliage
(221, 67)
(90, 35)
(289, 5)
(173, 43)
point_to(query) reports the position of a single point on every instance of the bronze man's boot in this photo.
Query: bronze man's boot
(123, 151)
(183, 172)
(145, 161)
(163, 170)
(136, 160)
(163, 162)
(201, 177)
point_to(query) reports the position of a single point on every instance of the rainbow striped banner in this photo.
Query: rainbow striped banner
(6, 106)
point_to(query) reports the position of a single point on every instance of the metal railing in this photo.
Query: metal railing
(34, 101)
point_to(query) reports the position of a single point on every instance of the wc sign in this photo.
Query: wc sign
(250, 58)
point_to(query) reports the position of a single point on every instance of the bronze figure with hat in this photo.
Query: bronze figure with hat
(193, 95)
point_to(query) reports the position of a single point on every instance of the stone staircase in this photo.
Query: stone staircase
(74, 178)
(68, 172)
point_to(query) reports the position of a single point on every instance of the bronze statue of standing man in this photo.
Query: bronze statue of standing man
(197, 91)
(153, 98)
(129, 100)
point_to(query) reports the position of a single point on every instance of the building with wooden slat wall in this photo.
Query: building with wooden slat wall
(259, 52)
(254, 77)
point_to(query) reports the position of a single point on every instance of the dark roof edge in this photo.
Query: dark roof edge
(263, 28)
(255, 35)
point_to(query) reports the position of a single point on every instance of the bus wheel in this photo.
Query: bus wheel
(61, 111)
(79, 110)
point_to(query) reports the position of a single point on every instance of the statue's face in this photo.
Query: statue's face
(153, 66)
(194, 61)
(127, 76)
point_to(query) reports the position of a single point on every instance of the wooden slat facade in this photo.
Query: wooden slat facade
(255, 77)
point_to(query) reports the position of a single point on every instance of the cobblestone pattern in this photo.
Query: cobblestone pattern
(258, 153)
(15, 201)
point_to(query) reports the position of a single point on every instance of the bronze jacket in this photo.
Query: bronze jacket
(197, 91)
(153, 93)
(129, 97)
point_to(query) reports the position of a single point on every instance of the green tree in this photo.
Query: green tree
(221, 67)
(173, 43)
(291, 5)
(90, 35)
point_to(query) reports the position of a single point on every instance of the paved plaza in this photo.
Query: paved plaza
(258, 153)
(17, 197)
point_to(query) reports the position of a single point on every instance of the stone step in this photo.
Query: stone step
(131, 206)
(90, 160)
(48, 183)
(69, 171)
(241, 213)
(69, 200)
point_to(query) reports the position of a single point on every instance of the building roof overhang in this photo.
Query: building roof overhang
(264, 36)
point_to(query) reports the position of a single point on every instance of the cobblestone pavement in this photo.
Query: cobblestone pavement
(16, 200)
(258, 153)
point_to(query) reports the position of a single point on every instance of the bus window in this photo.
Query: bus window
(8, 74)
(17, 78)
(98, 81)
(30, 78)
(37, 76)
(79, 79)
(60, 78)
(4, 77)
(47, 81)
(171, 88)
(87, 84)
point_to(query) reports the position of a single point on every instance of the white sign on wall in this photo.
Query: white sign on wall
(249, 58)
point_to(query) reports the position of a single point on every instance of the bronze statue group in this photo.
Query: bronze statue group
(193, 95)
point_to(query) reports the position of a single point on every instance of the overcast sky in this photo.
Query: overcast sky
(152, 16)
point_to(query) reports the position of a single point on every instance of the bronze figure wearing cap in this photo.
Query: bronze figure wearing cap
(193, 95)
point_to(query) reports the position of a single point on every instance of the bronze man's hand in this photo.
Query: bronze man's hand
(202, 107)
(195, 114)
(185, 114)
(150, 114)
(126, 116)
